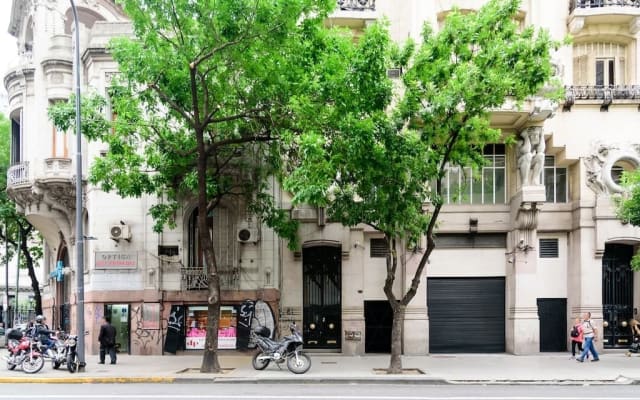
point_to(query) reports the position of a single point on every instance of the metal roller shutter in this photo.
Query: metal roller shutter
(466, 315)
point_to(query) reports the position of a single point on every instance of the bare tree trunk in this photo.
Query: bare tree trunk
(395, 363)
(35, 285)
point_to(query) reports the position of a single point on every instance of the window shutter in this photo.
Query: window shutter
(549, 248)
(580, 70)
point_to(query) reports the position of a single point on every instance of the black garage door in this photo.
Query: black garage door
(466, 315)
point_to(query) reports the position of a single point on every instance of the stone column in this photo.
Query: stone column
(523, 324)
(353, 324)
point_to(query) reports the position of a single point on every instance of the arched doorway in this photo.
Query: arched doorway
(322, 297)
(617, 295)
(62, 311)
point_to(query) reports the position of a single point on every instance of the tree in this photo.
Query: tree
(628, 206)
(203, 95)
(382, 163)
(19, 234)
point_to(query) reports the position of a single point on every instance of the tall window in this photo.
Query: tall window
(16, 138)
(599, 64)
(555, 181)
(221, 230)
(460, 186)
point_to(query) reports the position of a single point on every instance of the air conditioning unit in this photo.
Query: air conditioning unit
(121, 231)
(248, 235)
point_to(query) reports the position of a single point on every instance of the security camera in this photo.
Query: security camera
(521, 242)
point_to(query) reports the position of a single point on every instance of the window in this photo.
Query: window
(599, 64)
(487, 187)
(378, 248)
(555, 181)
(549, 248)
(59, 142)
(222, 233)
(16, 139)
(605, 72)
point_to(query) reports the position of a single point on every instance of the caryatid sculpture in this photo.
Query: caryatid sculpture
(531, 156)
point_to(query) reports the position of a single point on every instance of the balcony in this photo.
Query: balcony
(357, 5)
(58, 168)
(603, 95)
(18, 174)
(353, 14)
(586, 13)
(198, 278)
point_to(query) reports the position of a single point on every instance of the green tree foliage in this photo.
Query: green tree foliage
(204, 94)
(16, 231)
(628, 206)
(372, 159)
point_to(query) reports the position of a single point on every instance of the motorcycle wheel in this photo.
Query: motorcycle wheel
(299, 365)
(31, 365)
(259, 364)
(72, 362)
(10, 366)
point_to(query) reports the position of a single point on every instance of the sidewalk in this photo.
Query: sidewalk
(550, 368)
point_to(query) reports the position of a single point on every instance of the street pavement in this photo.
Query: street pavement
(544, 368)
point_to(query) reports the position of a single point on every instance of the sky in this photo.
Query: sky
(7, 49)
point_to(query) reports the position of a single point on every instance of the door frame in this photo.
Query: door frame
(106, 306)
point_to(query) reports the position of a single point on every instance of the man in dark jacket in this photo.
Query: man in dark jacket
(107, 339)
(40, 331)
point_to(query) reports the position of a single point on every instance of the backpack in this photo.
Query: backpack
(574, 331)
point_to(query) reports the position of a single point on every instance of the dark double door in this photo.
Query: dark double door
(617, 295)
(322, 301)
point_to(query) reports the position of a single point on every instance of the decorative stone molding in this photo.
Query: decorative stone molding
(527, 216)
(600, 163)
(576, 25)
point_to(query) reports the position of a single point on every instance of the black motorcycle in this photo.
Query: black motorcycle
(287, 349)
(63, 352)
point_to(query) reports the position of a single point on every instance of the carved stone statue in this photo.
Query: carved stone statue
(531, 155)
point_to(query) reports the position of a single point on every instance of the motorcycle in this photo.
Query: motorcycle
(287, 349)
(63, 351)
(24, 352)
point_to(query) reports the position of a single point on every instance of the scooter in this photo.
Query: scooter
(287, 349)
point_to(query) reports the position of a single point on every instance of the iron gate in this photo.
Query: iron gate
(322, 286)
(617, 295)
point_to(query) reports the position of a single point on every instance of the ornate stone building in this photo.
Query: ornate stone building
(532, 242)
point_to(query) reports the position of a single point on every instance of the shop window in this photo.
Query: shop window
(196, 327)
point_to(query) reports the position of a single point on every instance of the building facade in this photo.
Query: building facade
(532, 243)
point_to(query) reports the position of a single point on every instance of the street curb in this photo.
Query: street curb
(300, 381)
(151, 379)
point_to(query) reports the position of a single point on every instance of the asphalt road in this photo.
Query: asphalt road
(316, 392)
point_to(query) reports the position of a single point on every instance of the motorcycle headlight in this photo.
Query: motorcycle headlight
(71, 342)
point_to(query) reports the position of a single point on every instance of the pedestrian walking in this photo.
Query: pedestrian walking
(107, 339)
(577, 337)
(590, 336)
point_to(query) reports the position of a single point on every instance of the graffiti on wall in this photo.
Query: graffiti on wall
(146, 340)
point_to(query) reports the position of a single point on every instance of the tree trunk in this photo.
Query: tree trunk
(35, 285)
(395, 363)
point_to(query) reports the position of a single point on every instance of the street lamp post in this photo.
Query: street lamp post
(79, 233)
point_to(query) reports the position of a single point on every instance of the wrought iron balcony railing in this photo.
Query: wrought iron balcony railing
(198, 278)
(18, 174)
(602, 3)
(357, 5)
(607, 94)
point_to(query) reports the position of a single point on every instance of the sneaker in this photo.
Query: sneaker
(579, 360)
(595, 359)
(101, 362)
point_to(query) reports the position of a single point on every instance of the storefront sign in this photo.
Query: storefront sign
(116, 260)
(197, 327)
